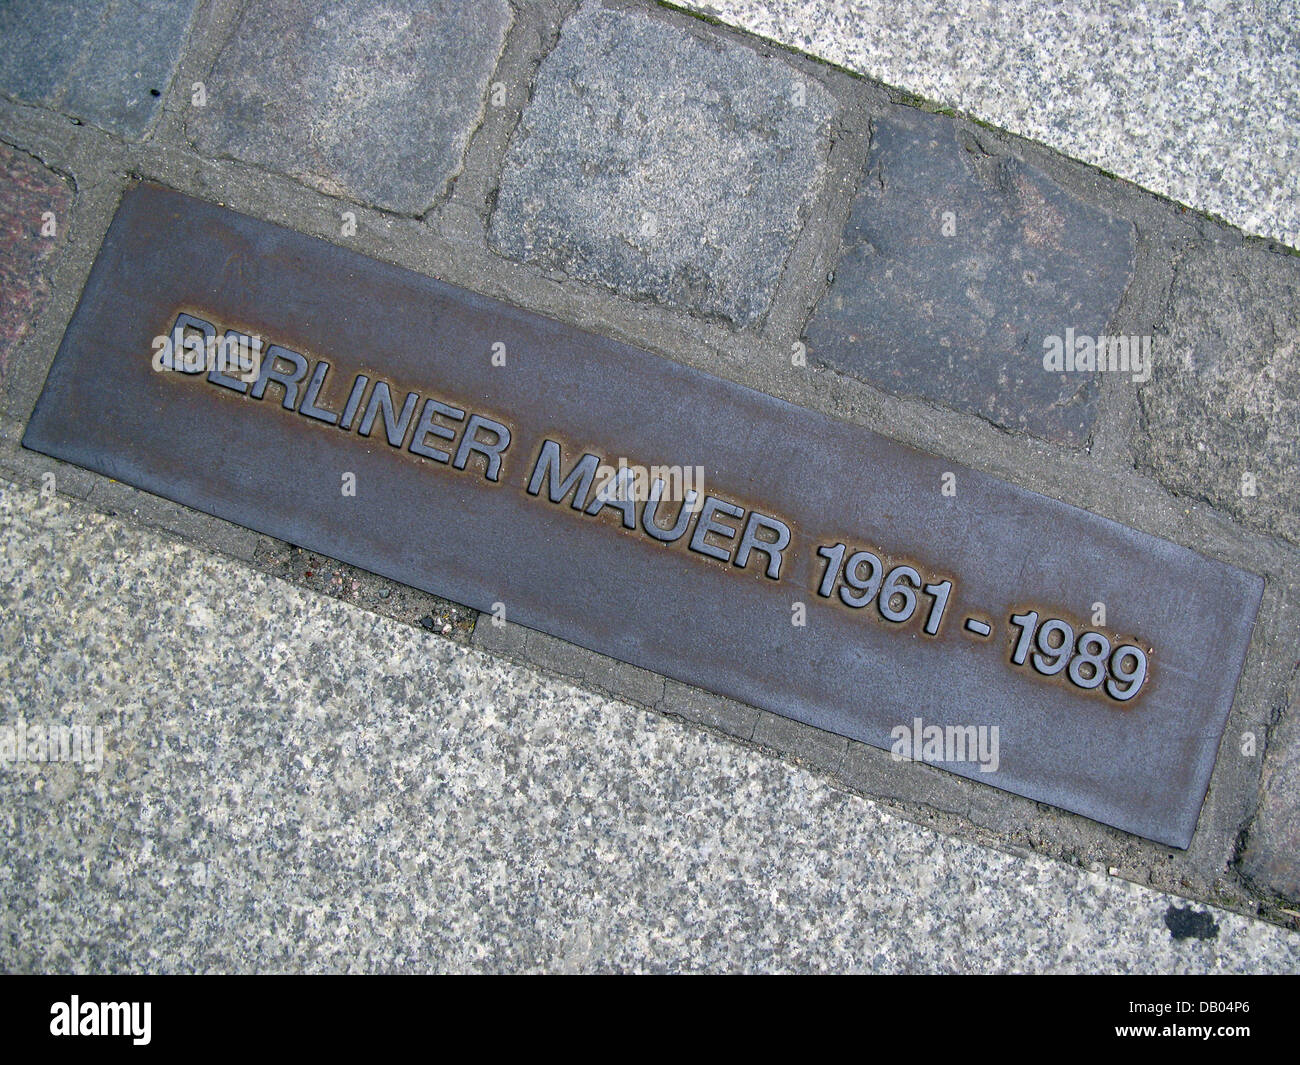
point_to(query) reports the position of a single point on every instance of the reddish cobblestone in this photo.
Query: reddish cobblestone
(33, 199)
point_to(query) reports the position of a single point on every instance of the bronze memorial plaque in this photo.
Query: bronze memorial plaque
(649, 511)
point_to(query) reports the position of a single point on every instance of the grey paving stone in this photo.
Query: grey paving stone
(956, 266)
(872, 772)
(1272, 854)
(560, 656)
(108, 62)
(504, 639)
(1220, 417)
(588, 667)
(625, 682)
(34, 206)
(291, 783)
(375, 103)
(797, 740)
(663, 165)
(20, 465)
(705, 708)
(1187, 100)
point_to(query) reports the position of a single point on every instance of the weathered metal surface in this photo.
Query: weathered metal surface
(459, 519)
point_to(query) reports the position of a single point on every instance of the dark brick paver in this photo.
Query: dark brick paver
(29, 195)
(956, 266)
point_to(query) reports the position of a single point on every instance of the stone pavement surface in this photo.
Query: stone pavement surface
(34, 204)
(340, 786)
(299, 94)
(685, 176)
(956, 264)
(1195, 101)
(294, 784)
(1227, 399)
(107, 62)
(1271, 847)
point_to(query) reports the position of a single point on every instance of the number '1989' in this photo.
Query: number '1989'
(1089, 661)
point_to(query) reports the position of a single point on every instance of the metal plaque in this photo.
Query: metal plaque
(650, 512)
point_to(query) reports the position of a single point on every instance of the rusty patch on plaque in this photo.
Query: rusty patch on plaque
(650, 512)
